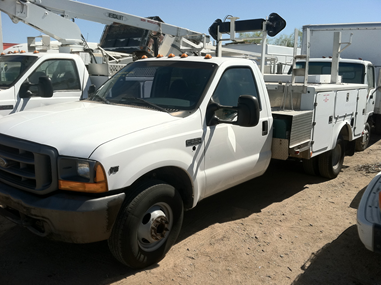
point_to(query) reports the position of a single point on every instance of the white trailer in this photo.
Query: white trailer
(365, 39)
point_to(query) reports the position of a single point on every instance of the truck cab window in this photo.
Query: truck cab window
(234, 83)
(13, 67)
(63, 74)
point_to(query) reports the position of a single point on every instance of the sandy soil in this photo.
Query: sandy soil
(283, 228)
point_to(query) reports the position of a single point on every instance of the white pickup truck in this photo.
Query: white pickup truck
(154, 140)
(20, 74)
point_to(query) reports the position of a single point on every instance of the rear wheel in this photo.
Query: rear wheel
(363, 142)
(147, 226)
(331, 162)
(311, 166)
(377, 123)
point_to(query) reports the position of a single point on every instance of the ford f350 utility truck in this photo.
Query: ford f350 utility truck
(155, 139)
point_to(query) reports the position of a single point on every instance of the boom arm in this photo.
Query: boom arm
(53, 17)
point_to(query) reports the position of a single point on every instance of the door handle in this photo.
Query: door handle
(265, 128)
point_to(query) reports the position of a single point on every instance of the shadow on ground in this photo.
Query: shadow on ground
(342, 262)
(23, 254)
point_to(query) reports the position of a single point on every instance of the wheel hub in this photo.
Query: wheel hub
(159, 228)
(154, 227)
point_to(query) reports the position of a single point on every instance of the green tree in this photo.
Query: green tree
(251, 35)
(281, 40)
(286, 40)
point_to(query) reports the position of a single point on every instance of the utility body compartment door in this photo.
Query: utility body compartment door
(361, 111)
(323, 120)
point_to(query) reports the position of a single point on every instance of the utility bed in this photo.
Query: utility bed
(306, 117)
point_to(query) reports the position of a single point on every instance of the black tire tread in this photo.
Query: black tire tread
(359, 145)
(115, 240)
(325, 162)
(310, 166)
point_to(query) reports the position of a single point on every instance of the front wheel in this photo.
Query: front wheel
(331, 162)
(147, 226)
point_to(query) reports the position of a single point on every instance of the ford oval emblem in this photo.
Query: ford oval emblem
(3, 162)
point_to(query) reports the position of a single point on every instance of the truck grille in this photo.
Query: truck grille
(27, 166)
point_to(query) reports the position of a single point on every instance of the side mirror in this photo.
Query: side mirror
(247, 112)
(375, 90)
(45, 87)
(24, 90)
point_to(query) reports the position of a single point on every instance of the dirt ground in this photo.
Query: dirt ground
(283, 228)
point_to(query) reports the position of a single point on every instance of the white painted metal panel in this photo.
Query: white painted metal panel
(323, 125)
(345, 104)
(365, 40)
(361, 116)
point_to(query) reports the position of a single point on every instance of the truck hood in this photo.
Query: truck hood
(78, 128)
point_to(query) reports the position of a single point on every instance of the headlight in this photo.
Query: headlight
(81, 175)
(83, 169)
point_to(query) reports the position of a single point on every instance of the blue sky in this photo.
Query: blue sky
(198, 15)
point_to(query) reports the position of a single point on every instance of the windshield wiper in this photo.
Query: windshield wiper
(101, 98)
(146, 103)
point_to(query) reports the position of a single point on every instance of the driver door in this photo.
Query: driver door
(234, 154)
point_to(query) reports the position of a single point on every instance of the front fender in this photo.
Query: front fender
(128, 158)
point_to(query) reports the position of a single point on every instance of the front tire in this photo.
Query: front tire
(148, 225)
(331, 162)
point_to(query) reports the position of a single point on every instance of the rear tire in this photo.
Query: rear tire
(363, 142)
(311, 166)
(148, 225)
(377, 124)
(331, 162)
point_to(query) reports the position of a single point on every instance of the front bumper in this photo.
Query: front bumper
(369, 216)
(63, 216)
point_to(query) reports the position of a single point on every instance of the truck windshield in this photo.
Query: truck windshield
(349, 72)
(168, 85)
(12, 67)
